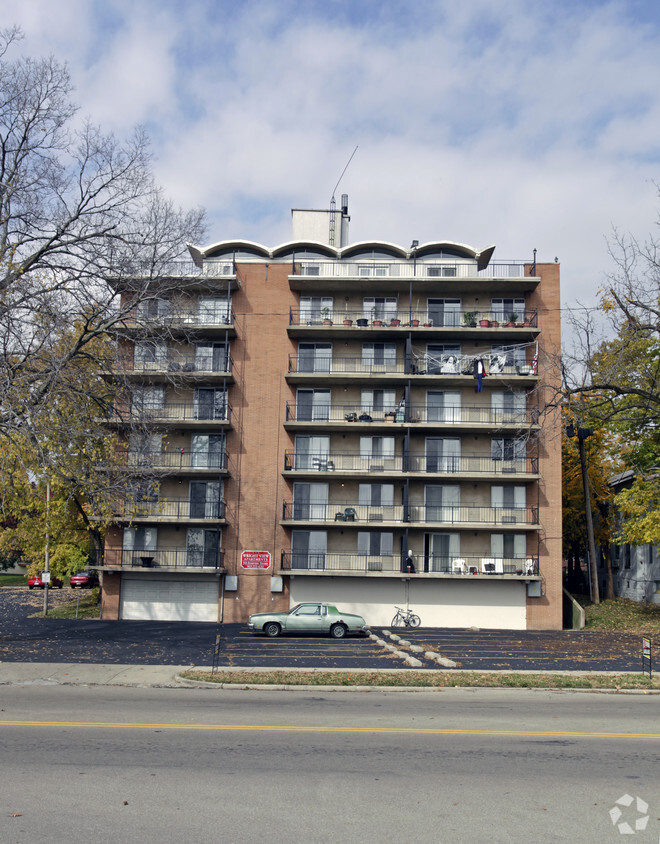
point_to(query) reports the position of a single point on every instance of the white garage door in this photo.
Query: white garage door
(169, 600)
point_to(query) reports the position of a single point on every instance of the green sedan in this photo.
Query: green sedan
(306, 618)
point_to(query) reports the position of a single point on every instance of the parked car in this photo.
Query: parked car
(84, 580)
(55, 582)
(321, 618)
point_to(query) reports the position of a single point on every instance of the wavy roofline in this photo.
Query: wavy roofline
(482, 256)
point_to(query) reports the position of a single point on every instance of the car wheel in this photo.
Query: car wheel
(272, 629)
(338, 631)
(31, 587)
(60, 586)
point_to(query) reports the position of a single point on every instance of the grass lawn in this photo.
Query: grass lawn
(622, 616)
(13, 580)
(85, 604)
(430, 679)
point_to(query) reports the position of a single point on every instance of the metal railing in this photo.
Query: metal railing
(427, 364)
(171, 508)
(348, 463)
(173, 412)
(434, 564)
(408, 269)
(404, 317)
(175, 460)
(177, 363)
(356, 412)
(168, 557)
(185, 317)
(368, 515)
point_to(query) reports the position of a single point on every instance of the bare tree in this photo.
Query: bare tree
(85, 233)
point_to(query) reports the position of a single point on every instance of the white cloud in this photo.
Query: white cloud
(527, 125)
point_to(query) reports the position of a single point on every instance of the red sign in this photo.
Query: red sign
(255, 559)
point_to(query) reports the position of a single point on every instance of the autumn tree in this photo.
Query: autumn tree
(615, 362)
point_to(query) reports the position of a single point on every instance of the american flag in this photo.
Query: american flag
(535, 361)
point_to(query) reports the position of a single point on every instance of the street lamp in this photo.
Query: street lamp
(582, 434)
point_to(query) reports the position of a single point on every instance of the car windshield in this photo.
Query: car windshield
(293, 609)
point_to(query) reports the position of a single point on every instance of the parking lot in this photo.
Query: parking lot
(24, 639)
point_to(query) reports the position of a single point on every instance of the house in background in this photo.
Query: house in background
(348, 422)
(635, 568)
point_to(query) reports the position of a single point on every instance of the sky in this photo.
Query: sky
(528, 125)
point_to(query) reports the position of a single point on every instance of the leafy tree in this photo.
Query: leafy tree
(615, 362)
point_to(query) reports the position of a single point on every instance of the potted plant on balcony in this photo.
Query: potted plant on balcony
(470, 318)
(512, 319)
(484, 323)
(395, 322)
(325, 313)
(374, 319)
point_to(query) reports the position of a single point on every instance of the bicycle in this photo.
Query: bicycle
(405, 618)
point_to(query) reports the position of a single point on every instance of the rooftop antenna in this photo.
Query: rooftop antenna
(333, 204)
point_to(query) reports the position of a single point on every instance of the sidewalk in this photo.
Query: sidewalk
(89, 674)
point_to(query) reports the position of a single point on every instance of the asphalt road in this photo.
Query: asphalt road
(168, 765)
(24, 639)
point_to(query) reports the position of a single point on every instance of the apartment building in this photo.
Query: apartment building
(355, 423)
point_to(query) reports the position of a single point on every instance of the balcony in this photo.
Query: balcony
(177, 461)
(181, 317)
(174, 364)
(435, 417)
(460, 466)
(410, 269)
(480, 567)
(168, 557)
(170, 510)
(446, 366)
(182, 414)
(366, 516)
(413, 318)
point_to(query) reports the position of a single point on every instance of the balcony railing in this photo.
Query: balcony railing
(171, 508)
(495, 363)
(418, 269)
(174, 412)
(177, 363)
(414, 413)
(367, 515)
(347, 463)
(403, 317)
(179, 459)
(168, 557)
(434, 564)
(183, 317)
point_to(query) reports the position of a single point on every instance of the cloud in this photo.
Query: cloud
(527, 125)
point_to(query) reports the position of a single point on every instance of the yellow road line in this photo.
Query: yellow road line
(325, 729)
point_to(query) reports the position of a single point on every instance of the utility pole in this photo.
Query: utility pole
(46, 574)
(582, 434)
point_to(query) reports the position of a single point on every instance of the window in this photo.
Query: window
(377, 448)
(312, 452)
(308, 549)
(443, 406)
(443, 549)
(379, 307)
(207, 451)
(312, 405)
(154, 309)
(443, 454)
(209, 403)
(444, 312)
(314, 309)
(148, 399)
(211, 357)
(439, 271)
(203, 547)
(379, 355)
(508, 502)
(378, 402)
(314, 357)
(140, 539)
(507, 448)
(310, 501)
(506, 359)
(375, 543)
(503, 309)
(508, 406)
(443, 503)
(149, 354)
(205, 500)
(213, 310)
(377, 501)
(508, 546)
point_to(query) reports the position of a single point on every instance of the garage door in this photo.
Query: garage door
(169, 600)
